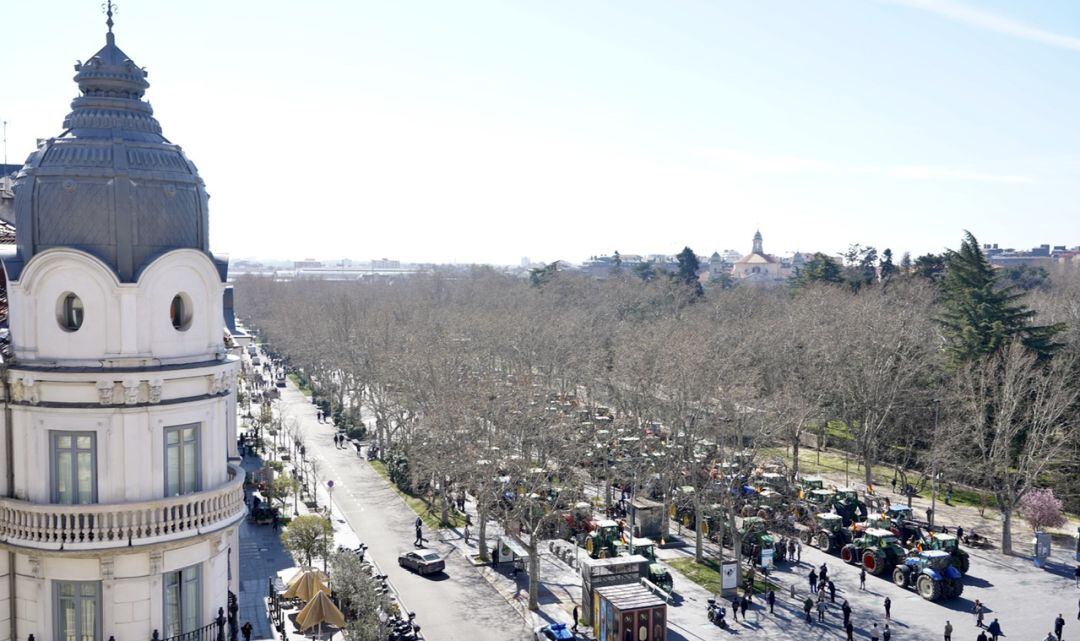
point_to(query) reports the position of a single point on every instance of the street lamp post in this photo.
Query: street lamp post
(330, 503)
(933, 467)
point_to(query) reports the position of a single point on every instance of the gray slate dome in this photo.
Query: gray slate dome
(110, 185)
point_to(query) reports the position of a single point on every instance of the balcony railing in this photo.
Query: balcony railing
(94, 526)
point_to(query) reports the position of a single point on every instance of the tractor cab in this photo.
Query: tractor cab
(605, 541)
(811, 483)
(772, 481)
(820, 497)
(883, 540)
(900, 513)
(930, 573)
(829, 522)
(658, 574)
(946, 542)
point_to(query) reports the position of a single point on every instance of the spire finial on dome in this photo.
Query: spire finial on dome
(109, 8)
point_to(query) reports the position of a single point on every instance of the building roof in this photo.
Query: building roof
(756, 259)
(631, 596)
(110, 185)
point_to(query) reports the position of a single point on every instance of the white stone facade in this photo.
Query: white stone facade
(119, 503)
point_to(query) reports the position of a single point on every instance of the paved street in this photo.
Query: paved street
(465, 605)
(458, 606)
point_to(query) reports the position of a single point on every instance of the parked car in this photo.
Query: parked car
(422, 561)
(554, 632)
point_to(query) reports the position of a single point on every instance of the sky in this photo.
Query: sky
(488, 131)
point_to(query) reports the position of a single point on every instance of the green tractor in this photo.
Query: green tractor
(814, 502)
(766, 504)
(756, 537)
(828, 533)
(878, 551)
(948, 543)
(810, 483)
(605, 541)
(931, 574)
(658, 573)
(846, 503)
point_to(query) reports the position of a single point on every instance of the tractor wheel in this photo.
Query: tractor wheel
(806, 536)
(824, 541)
(848, 554)
(929, 589)
(763, 513)
(874, 563)
(955, 589)
(899, 576)
(963, 563)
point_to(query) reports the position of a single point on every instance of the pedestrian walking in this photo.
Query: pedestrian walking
(1049, 637)
(982, 636)
(948, 631)
(813, 580)
(846, 610)
(798, 551)
(791, 590)
(894, 484)
(246, 630)
(874, 634)
(821, 607)
(743, 606)
(994, 629)
(574, 627)
(888, 608)
(850, 629)
(277, 522)
(468, 522)
(862, 578)
(791, 554)
(978, 610)
(886, 634)
(832, 591)
(808, 605)
(735, 603)
(1059, 625)
(770, 598)
(823, 574)
(960, 533)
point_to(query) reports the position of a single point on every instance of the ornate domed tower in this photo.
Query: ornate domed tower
(120, 507)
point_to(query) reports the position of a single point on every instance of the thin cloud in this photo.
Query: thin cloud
(927, 172)
(751, 162)
(993, 22)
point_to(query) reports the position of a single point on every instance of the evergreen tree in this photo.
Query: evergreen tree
(860, 266)
(645, 270)
(540, 275)
(905, 262)
(930, 266)
(886, 268)
(689, 266)
(819, 269)
(981, 315)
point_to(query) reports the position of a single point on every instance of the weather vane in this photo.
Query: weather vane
(108, 8)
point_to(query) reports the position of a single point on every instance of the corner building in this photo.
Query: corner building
(121, 497)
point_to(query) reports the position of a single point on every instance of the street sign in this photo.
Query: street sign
(330, 484)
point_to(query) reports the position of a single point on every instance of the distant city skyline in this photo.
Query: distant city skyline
(483, 131)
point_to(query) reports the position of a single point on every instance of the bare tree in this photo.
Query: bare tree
(1010, 419)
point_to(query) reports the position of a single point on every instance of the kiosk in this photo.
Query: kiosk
(628, 613)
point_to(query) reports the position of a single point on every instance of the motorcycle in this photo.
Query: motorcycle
(716, 614)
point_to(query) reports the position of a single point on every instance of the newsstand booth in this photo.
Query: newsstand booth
(629, 613)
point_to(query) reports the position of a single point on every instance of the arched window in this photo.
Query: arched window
(69, 312)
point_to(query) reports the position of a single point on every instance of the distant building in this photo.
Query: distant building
(757, 267)
(1046, 256)
(307, 263)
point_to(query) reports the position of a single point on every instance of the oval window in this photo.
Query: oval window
(69, 312)
(180, 312)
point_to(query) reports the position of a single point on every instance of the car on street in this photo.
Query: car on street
(422, 561)
(554, 632)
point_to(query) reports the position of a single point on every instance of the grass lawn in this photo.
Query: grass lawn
(304, 389)
(416, 504)
(707, 575)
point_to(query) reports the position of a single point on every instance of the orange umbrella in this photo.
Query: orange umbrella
(318, 611)
(306, 585)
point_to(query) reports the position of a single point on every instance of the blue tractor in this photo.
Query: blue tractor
(931, 574)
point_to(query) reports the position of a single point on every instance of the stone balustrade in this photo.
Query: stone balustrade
(98, 526)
